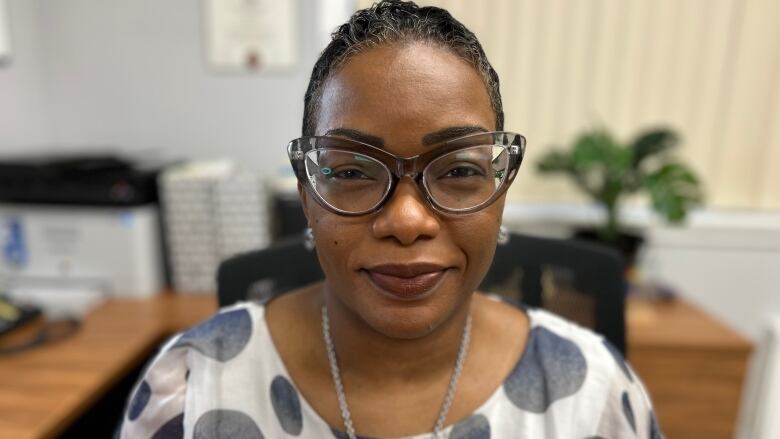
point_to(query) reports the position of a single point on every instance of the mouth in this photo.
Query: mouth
(406, 281)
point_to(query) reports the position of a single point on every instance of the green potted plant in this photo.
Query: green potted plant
(608, 171)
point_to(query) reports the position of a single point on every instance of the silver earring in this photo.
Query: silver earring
(308, 239)
(503, 235)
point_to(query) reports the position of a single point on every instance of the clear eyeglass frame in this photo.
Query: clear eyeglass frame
(415, 167)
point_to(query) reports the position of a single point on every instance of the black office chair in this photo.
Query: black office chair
(582, 282)
(262, 274)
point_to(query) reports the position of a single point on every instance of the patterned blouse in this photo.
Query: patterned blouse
(225, 379)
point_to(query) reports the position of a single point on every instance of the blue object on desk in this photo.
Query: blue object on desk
(14, 248)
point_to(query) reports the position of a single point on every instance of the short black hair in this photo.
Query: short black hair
(391, 21)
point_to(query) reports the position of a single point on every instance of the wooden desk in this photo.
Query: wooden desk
(692, 365)
(43, 391)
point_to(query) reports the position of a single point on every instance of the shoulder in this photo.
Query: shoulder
(221, 337)
(550, 330)
(165, 392)
(575, 353)
(558, 339)
(569, 371)
(603, 378)
(226, 334)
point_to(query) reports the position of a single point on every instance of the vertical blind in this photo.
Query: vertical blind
(709, 69)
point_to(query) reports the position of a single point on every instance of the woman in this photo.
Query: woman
(402, 174)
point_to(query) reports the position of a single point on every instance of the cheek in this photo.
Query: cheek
(331, 231)
(336, 237)
(476, 237)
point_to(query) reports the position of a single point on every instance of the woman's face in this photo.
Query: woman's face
(405, 269)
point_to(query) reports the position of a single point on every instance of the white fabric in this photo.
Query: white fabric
(761, 394)
(226, 377)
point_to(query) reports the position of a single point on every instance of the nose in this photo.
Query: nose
(406, 216)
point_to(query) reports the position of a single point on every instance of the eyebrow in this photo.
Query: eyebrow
(428, 139)
(451, 133)
(357, 135)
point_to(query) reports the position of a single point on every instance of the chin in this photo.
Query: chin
(409, 326)
(405, 320)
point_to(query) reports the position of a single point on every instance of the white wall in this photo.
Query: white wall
(24, 119)
(131, 74)
(731, 271)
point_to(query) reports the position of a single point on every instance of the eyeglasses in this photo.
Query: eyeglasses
(458, 176)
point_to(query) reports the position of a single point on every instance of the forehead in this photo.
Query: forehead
(402, 92)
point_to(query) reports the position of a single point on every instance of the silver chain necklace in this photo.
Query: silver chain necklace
(336, 373)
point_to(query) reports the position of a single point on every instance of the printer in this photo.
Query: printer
(79, 225)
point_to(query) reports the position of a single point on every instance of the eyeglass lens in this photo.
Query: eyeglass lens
(354, 182)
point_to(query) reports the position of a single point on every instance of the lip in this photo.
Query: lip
(406, 281)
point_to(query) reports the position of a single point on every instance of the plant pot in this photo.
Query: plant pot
(627, 244)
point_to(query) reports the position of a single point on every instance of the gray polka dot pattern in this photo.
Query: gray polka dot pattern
(138, 403)
(287, 405)
(619, 359)
(473, 427)
(222, 337)
(655, 431)
(226, 424)
(551, 368)
(239, 388)
(628, 411)
(173, 429)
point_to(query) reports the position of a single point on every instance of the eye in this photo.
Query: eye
(345, 174)
(463, 171)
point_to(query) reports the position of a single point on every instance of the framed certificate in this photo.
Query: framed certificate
(250, 35)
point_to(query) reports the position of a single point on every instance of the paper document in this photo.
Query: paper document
(250, 35)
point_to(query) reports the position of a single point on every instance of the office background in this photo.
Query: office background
(132, 76)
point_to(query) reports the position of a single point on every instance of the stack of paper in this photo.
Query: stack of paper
(212, 211)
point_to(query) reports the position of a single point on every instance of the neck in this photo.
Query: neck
(366, 354)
